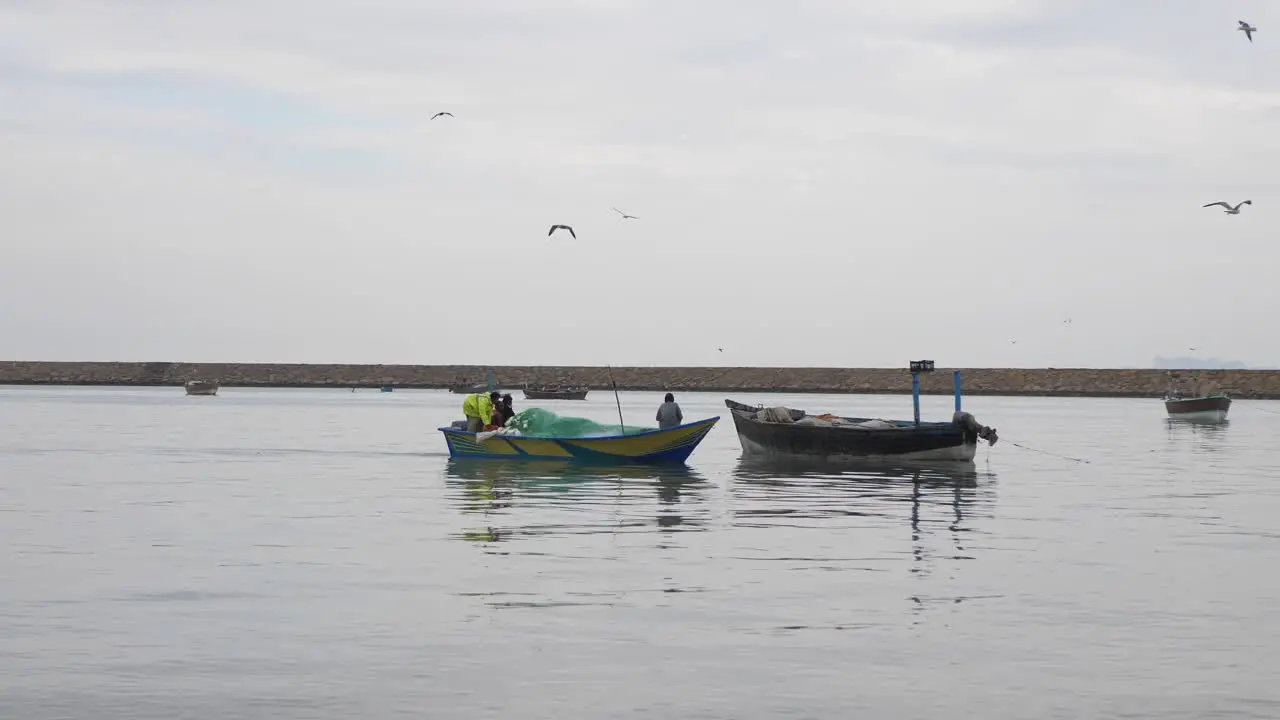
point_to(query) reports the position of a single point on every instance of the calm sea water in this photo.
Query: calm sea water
(315, 554)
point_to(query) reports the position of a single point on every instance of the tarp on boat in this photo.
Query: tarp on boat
(834, 421)
(775, 415)
(786, 416)
(537, 422)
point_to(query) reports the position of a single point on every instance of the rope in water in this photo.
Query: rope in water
(1082, 460)
(1046, 452)
(1257, 407)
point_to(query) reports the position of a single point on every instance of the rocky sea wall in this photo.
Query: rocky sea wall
(1068, 382)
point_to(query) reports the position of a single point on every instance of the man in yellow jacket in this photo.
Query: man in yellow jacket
(478, 407)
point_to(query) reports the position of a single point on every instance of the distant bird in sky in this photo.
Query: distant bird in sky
(1067, 321)
(720, 349)
(1231, 210)
(433, 117)
(1248, 30)
(625, 216)
(1013, 342)
(562, 227)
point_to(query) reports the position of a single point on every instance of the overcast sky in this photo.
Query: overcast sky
(818, 182)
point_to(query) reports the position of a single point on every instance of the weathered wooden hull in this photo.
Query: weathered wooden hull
(544, 394)
(1212, 408)
(202, 388)
(943, 442)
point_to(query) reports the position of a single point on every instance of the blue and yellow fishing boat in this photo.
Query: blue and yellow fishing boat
(671, 446)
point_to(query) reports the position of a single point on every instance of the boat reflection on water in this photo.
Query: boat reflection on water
(870, 479)
(1207, 436)
(1214, 426)
(875, 468)
(813, 495)
(552, 498)
(800, 490)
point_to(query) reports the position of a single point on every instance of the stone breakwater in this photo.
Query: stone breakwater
(977, 381)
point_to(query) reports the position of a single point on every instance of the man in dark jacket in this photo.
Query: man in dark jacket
(504, 412)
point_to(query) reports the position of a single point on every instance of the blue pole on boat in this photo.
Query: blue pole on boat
(957, 377)
(915, 394)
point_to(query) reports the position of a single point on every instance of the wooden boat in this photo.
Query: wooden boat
(1201, 404)
(545, 392)
(201, 387)
(671, 446)
(1206, 408)
(786, 434)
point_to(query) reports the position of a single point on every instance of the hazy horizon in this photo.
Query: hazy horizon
(1158, 364)
(818, 184)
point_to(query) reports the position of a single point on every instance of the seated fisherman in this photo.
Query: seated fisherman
(669, 414)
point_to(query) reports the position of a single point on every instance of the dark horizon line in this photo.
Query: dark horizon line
(902, 367)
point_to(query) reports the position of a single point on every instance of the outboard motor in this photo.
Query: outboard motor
(973, 427)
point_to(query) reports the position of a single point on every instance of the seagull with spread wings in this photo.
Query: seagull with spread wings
(433, 117)
(625, 216)
(1229, 209)
(562, 227)
(1248, 29)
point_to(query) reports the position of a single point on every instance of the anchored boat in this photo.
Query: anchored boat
(545, 392)
(462, 387)
(201, 387)
(1199, 406)
(1205, 408)
(671, 446)
(787, 434)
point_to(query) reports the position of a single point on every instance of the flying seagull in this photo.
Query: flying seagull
(1248, 29)
(433, 117)
(625, 216)
(562, 227)
(1231, 210)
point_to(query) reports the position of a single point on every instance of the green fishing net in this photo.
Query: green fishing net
(536, 422)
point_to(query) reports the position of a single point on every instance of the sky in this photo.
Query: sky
(817, 182)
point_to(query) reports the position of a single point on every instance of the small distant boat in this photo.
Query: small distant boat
(1205, 408)
(387, 388)
(546, 392)
(466, 389)
(671, 446)
(1197, 405)
(201, 387)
